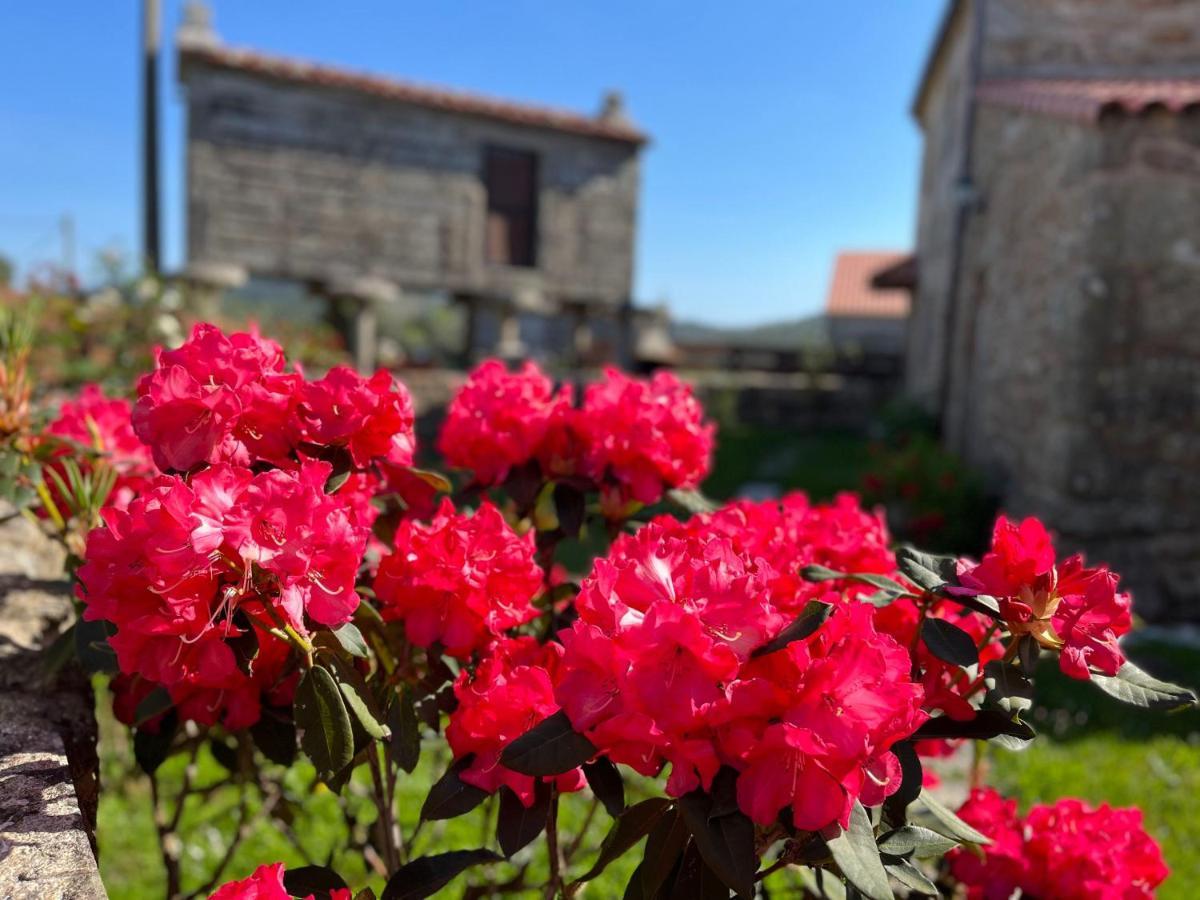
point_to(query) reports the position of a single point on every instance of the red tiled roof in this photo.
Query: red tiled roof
(406, 92)
(851, 292)
(1087, 100)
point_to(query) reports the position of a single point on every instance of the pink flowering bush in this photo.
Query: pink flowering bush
(751, 688)
(1068, 849)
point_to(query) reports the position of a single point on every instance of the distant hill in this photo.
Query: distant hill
(787, 335)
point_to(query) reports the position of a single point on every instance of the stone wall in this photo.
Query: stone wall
(1075, 380)
(1090, 38)
(48, 765)
(318, 184)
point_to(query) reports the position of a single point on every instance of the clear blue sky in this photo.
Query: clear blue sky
(781, 127)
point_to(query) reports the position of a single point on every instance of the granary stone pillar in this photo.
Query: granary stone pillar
(205, 283)
(364, 296)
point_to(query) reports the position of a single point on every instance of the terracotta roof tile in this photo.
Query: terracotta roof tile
(463, 102)
(1087, 100)
(851, 292)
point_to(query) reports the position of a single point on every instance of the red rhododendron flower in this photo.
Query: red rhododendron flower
(511, 691)
(371, 418)
(103, 424)
(173, 571)
(1068, 608)
(267, 884)
(659, 669)
(218, 398)
(1067, 850)
(499, 419)
(459, 580)
(641, 436)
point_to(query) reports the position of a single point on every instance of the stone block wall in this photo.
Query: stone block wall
(318, 184)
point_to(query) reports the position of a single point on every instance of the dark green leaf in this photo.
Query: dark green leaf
(854, 851)
(327, 736)
(726, 843)
(912, 878)
(223, 753)
(523, 484)
(912, 779)
(1132, 685)
(949, 643)
(351, 639)
(275, 735)
(629, 828)
(91, 643)
(605, 781)
(517, 826)
(357, 701)
(913, 840)
(336, 480)
(551, 747)
(724, 793)
(150, 748)
(811, 618)
(426, 875)
(244, 644)
(695, 879)
(949, 824)
(154, 704)
(569, 506)
(926, 570)
(820, 573)
(450, 796)
(664, 846)
(405, 746)
(988, 723)
(314, 880)
(980, 603)
(435, 480)
(1008, 688)
(882, 582)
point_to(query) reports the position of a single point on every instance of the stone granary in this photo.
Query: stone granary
(363, 187)
(1056, 322)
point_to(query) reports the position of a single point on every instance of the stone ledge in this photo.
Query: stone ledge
(48, 763)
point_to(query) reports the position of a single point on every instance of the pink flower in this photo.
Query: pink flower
(510, 692)
(660, 669)
(267, 884)
(459, 580)
(498, 420)
(217, 398)
(640, 437)
(1068, 608)
(103, 424)
(1067, 850)
(371, 418)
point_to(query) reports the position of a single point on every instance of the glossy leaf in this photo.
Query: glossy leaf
(926, 570)
(450, 796)
(405, 744)
(327, 736)
(948, 823)
(725, 842)
(988, 723)
(811, 618)
(351, 639)
(663, 849)
(912, 878)
(855, 852)
(426, 875)
(516, 825)
(316, 880)
(605, 781)
(1134, 686)
(551, 747)
(949, 643)
(913, 840)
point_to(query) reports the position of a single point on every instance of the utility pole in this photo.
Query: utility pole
(150, 42)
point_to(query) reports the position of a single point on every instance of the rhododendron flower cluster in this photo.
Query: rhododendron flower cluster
(460, 580)
(1068, 850)
(498, 420)
(102, 423)
(511, 691)
(660, 668)
(229, 398)
(1067, 607)
(267, 884)
(173, 570)
(631, 437)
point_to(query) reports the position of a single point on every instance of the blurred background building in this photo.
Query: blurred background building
(1056, 324)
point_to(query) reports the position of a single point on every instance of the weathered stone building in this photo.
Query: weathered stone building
(1056, 323)
(362, 187)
